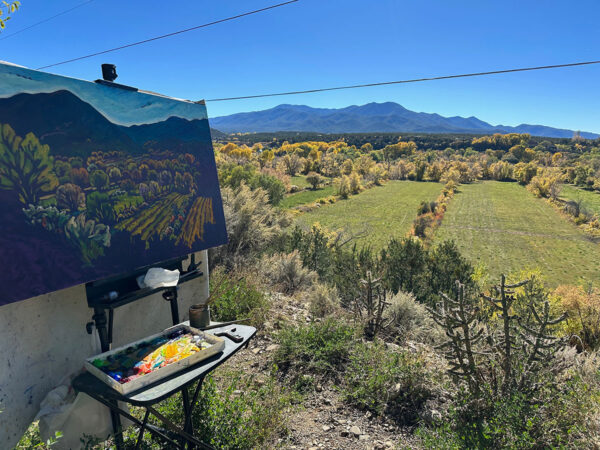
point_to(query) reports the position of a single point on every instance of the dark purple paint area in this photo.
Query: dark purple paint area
(33, 263)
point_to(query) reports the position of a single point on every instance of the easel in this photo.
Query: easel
(112, 293)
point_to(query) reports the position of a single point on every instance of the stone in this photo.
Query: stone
(272, 347)
(256, 350)
(388, 444)
(355, 430)
(364, 437)
(326, 428)
(327, 401)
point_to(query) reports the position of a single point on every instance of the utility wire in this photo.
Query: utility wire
(169, 34)
(415, 80)
(46, 20)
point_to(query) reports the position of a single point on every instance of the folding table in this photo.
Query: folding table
(176, 435)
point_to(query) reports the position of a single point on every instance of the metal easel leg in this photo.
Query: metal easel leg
(99, 319)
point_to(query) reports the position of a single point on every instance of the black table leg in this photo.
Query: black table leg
(185, 435)
(187, 411)
(135, 420)
(142, 428)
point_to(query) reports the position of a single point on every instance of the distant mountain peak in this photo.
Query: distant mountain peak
(372, 117)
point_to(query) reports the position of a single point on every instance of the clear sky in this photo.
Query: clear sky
(321, 43)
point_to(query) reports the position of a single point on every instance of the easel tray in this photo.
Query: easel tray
(122, 368)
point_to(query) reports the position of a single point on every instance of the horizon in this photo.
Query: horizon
(398, 104)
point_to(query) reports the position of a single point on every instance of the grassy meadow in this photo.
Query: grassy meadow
(300, 181)
(504, 227)
(590, 200)
(377, 214)
(308, 196)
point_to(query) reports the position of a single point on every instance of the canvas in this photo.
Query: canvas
(97, 181)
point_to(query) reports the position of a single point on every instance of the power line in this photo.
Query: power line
(169, 34)
(46, 20)
(415, 80)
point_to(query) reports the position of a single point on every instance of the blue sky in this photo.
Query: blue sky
(320, 43)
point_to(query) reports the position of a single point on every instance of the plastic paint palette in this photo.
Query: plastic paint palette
(146, 361)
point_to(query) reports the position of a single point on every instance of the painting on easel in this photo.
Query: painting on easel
(97, 181)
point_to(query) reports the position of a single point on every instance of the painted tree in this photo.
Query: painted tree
(99, 179)
(70, 196)
(26, 166)
(80, 177)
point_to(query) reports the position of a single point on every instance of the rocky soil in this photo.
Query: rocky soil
(322, 421)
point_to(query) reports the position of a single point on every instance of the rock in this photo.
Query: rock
(272, 347)
(326, 428)
(327, 401)
(388, 444)
(355, 430)
(364, 437)
(319, 388)
(256, 350)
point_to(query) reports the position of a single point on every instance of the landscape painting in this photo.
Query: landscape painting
(97, 181)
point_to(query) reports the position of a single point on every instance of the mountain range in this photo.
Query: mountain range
(372, 117)
(72, 127)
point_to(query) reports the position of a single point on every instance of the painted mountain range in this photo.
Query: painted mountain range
(76, 127)
(372, 117)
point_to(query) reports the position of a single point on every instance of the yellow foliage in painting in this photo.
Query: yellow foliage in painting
(200, 213)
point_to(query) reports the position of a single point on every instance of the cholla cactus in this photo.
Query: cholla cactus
(459, 320)
(508, 357)
(524, 347)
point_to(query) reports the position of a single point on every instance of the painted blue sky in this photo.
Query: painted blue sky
(316, 43)
(118, 105)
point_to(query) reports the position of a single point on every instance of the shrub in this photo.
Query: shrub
(320, 348)
(427, 207)
(421, 224)
(252, 225)
(275, 188)
(409, 320)
(314, 179)
(233, 412)
(355, 183)
(286, 272)
(544, 186)
(238, 299)
(583, 309)
(343, 187)
(395, 383)
(323, 300)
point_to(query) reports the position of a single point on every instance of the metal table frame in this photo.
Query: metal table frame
(150, 395)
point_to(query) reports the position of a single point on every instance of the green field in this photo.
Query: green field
(304, 197)
(300, 181)
(507, 229)
(377, 214)
(590, 200)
